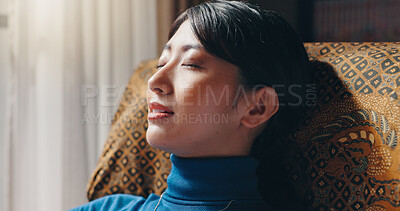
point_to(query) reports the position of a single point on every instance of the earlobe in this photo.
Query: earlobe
(258, 113)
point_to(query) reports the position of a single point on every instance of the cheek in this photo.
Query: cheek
(206, 97)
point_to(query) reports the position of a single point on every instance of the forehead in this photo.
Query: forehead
(184, 39)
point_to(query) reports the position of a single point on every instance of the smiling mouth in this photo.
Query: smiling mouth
(159, 114)
(161, 111)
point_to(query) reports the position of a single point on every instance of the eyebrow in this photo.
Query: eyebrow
(185, 47)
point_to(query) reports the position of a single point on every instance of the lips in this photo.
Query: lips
(158, 111)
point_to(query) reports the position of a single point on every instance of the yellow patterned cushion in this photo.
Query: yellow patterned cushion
(348, 158)
(345, 155)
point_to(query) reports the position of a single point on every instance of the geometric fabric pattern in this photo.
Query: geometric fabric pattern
(348, 154)
(344, 156)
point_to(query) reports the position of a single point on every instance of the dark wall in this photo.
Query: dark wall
(333, 20)
(299, 13)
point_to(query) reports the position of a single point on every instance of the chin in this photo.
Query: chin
(158, 141)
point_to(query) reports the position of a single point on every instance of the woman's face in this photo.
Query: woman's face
(197, 89)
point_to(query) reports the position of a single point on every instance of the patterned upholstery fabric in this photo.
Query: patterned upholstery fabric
(344, 157)
(349, 158)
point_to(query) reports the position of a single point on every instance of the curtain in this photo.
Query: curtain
(4, 102)
(68, 64)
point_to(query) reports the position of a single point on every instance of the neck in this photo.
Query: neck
(213, 178)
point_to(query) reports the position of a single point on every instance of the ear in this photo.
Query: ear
(263, 106)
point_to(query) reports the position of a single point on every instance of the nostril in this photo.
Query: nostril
(157, 90)
(164, 89)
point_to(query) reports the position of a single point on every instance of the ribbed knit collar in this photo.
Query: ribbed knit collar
(212, 179)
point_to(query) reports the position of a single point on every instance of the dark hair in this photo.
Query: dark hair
(267, 51)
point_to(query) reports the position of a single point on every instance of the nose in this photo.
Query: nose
(160, 83)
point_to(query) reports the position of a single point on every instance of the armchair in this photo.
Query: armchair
(344, 156)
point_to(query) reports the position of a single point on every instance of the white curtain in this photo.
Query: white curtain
(4, 100)
(67, 63)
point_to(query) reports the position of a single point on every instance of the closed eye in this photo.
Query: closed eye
(192, 66)
(186, 65)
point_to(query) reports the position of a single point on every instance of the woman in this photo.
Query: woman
(225, 61)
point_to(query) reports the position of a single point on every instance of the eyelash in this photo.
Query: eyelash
(187, 65)
(191, 65)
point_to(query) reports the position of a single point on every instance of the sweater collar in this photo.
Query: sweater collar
(213, 178)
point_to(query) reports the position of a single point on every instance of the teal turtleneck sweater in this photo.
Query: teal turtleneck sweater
(197, 184)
